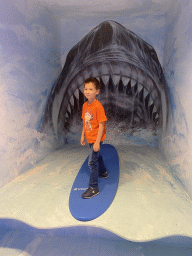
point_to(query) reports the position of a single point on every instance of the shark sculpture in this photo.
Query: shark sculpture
(132, 80)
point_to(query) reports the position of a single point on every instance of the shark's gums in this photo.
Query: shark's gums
(132, 82)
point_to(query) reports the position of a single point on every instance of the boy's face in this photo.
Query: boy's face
(90, 92)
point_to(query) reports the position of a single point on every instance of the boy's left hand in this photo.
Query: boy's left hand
(96, 146)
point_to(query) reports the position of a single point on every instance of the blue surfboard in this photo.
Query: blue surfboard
(89, 209)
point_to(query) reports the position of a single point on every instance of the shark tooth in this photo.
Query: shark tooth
(150, 101)
(145, 94)
(105, 79)
(69, 109)
(125, 80)
(154, 110)
(76, 93)
(72, 100)
(81, 88)
(116, 79)
(139, 87)
(98, 78)
(133, 83)
(157, 116)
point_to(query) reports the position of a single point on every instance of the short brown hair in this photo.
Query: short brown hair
(93, 80)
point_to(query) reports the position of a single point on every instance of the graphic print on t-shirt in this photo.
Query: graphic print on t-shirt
(88, 118)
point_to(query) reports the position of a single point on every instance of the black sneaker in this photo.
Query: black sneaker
(90, 192)
(104, 175)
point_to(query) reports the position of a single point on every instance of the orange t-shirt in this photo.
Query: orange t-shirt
(92, 115)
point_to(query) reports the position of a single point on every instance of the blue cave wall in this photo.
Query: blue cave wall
(176, 143)
(30, 64)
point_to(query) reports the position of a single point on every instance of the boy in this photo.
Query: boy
(94, 118)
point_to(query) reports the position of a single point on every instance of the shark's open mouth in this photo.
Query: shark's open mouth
(132, 81)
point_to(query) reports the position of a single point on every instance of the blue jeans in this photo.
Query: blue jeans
(96, 166)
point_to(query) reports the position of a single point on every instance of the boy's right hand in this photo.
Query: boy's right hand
(83, 141)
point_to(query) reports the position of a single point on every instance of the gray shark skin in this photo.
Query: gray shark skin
(132, 81)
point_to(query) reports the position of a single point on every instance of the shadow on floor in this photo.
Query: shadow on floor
(17, 237)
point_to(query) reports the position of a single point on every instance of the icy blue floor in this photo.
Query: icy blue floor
(25, 240)
(150, 215)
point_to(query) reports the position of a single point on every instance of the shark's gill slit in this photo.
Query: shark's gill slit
(131, 77)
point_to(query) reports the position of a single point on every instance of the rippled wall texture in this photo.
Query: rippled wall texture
(35, 41)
